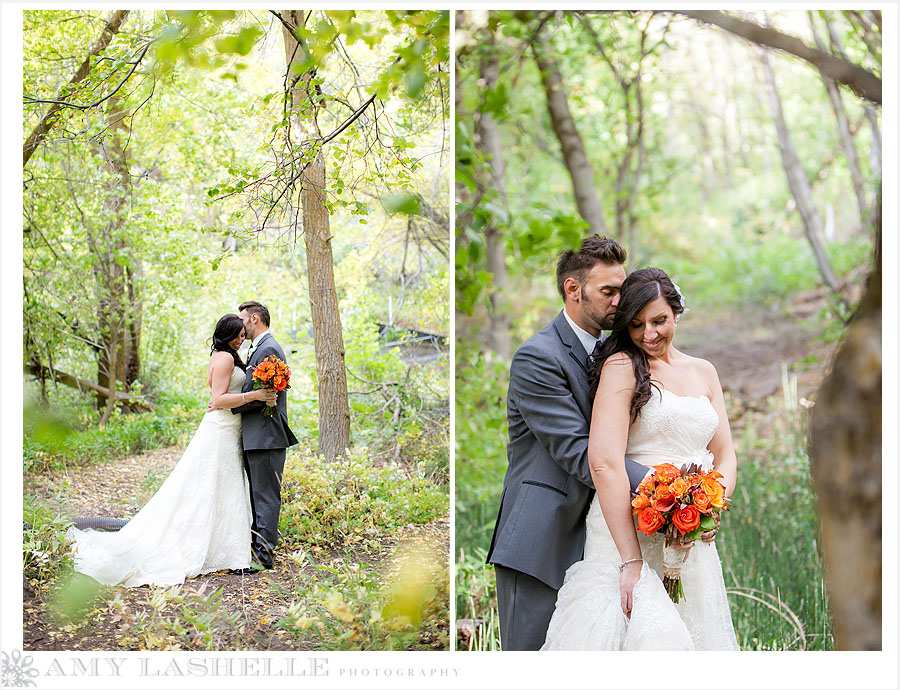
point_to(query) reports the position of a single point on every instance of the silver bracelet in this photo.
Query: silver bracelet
(243, 397)
(630, 560)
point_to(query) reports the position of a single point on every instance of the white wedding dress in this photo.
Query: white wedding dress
(197, 522)
(588, 615)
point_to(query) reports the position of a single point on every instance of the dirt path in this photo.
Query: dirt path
(750, 346)
(119, 489)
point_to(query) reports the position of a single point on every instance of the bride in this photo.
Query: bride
(654, 404)
(199, 519)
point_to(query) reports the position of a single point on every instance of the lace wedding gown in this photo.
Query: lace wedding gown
(588, 615)
(197, 522)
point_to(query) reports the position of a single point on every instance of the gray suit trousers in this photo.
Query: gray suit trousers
(525, 606)
(264, 470)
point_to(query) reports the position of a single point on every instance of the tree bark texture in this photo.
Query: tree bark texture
(797, 181)
(43, 127)
(863, 82)
(331, 372)
(846, 466)
(580, 169)
(489, 142)
(846, 139)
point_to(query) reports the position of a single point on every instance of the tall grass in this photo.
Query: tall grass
(768, 541)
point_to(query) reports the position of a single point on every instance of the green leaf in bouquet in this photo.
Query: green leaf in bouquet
(707, 522)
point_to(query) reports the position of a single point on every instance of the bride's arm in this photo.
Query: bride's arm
(221, 365)
(608, 439)
(721, 445)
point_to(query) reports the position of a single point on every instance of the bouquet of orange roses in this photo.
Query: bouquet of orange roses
(271, 373)
(681, 504)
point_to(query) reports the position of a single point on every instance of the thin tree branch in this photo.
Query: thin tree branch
(40, 131)
(863, 82)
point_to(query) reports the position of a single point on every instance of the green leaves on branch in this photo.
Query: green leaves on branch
(242, 43)
(187, 32)
(404, 202)
(427, 48)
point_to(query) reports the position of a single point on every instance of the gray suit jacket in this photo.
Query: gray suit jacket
(547, 489)
(259, 430)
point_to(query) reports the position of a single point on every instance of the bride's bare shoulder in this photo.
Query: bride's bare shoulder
(221, 361)
(703, 369)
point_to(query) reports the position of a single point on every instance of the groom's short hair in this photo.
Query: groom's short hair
(594, 250)
(256, 308)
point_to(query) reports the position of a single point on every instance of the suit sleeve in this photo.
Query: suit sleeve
(547, 406)
(545, 401)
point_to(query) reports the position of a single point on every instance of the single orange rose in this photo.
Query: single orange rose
(686, 519)
(703, 502)
(679, 487)
(663, 499)
(710, 486)
(639, 503)
(650, 520)
(666, 472)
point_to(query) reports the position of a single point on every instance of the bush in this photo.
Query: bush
(45, 551)
(351, 502)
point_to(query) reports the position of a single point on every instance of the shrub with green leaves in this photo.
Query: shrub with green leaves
(68, 434)
(44, 546)
(352, 502)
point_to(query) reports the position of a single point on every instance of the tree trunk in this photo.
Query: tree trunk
(570, 142)
(113, 359)
(846, 463)
(134, 324)
(43, 127)
(114, 309)
(844, 135)
(797, 181)
(489, 136)
(331, 372)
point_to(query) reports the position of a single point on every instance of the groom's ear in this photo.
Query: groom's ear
(572, 289)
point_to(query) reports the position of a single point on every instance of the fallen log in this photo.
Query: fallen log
(42, 372)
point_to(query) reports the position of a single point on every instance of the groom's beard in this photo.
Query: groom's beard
(605, 321)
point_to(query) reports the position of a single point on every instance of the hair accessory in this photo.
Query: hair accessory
(684, 309)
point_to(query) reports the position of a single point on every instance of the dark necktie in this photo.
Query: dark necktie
(596, 352)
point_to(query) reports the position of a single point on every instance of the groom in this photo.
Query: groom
(547, 489)
(265, 440)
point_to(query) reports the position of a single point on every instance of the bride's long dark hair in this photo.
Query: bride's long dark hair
(640, 288)
(227, 329)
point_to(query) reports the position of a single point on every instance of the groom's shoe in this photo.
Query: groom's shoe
(244, 571)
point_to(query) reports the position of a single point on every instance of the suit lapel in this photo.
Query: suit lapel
(570, 340)
(256, 346)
